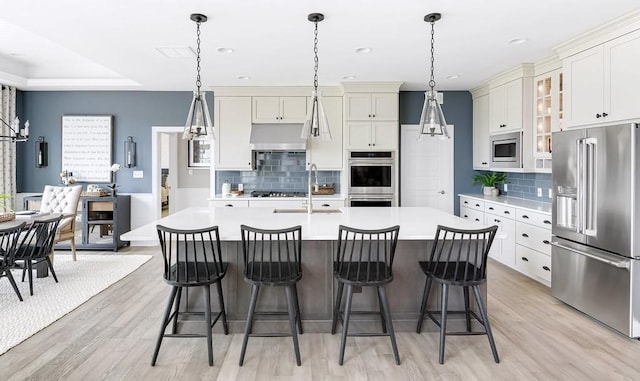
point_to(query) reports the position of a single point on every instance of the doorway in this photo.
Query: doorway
(164, 163)
(426, 169)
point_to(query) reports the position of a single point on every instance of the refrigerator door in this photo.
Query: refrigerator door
(609, 186)
(567, 179)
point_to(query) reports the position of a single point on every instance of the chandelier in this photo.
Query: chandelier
(15, 134)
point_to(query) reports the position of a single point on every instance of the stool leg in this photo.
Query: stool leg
(30, 274)
(225, 325)
(382, 315)
(292, 320)
(207, 322)
(174, 328)
(423, 306)
(165, 322)
(345, 323)
(485, 319)
(443, 320)
(382, 293)
(249, 323)
(298, 312)
(336, 308)
(467, 311)
(51, 269)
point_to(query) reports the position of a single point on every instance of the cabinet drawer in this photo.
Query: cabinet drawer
(500, 210)
(229, 203)
(472, 203)
(100, 206)
(542, 220)
(471, 214)
(533, 263)
(533, 237)
(324, 204)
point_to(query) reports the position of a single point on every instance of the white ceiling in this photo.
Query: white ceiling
(111, 44)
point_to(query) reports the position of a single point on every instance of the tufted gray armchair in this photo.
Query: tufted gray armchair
(58, 199)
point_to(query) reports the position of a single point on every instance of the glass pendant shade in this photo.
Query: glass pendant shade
(198, 124)
(432, 120)
(316, 124)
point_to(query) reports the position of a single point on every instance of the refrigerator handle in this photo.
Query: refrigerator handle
(591, 181)
(623, 264)
(581, 164)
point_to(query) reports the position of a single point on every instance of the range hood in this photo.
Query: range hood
(277, 137)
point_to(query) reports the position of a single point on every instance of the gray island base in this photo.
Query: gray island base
(317, 287)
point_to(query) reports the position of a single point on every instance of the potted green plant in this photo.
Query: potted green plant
(489, 180)
(6, 212)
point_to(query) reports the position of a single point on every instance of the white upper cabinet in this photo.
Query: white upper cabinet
(279, 109)
(232, 121)
(327, 155)
(371, 106)
(601, 82)
(371, 136)
(481, 151)
(506, 107)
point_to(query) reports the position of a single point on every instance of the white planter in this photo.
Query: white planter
(487, 191)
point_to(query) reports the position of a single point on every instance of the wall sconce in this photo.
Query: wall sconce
(42, 153)
(129, 152)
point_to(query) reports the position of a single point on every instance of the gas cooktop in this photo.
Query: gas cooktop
(278, 194)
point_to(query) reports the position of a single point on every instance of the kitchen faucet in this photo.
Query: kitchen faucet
(312, 167)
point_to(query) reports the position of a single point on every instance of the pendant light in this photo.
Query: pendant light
(316, 124)
(198, 124)
(15, 133)
(432, 120)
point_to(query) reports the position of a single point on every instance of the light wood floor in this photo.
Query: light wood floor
(112, 337)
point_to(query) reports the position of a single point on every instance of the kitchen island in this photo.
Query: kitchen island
(319, 235)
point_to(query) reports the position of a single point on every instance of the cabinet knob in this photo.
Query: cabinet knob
(374, 144)
(490, 208)
(546, 268)
(547, 222)
(525, 235)
(465, 216)
(369, 144)
(546, 242)
(498, 221)
(374, 115)
(506, 212)
(478, 205)
(369, 115)
(466, 202)
(525, 259)
(325, 205)
(598, 116)
(484, 163)
(228, 206)
(477, 219)
(525, 216)
(604, 114)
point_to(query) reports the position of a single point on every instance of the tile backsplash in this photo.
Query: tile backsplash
(525, 185)
(277, 171)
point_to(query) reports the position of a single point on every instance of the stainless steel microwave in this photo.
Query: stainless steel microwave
(506, 150)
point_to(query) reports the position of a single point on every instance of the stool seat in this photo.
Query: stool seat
(273, 273)
(363, 273)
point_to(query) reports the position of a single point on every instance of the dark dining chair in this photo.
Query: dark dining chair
(273, 258)
(458, 258)
(9, 234)
(192, 258)
(364, 258)
(36, 245)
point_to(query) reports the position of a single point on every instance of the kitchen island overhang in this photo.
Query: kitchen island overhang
(317, 287)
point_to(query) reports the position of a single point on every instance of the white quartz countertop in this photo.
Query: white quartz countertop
(536, 206)
(247, 196)
(416, 223)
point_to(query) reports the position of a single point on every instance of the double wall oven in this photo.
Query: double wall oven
(371, 178)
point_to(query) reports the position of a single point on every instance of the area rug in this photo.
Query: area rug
(79, 281)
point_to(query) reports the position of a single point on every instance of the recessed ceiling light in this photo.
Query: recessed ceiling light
(349, 77)
(244, 77)
(364, 50)
(225, 50)
(454, 76)
(14, 54)
(517, 41)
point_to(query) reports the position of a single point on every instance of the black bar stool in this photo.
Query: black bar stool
(37, 244)
(8, 244)
(192, 258)
(458, 258)
(273, 258)
(364, 258)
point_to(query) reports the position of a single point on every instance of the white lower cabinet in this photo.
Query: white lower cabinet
(526, 244)
(299, 203)
(229, 203)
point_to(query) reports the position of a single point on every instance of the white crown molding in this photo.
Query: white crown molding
(600, 34)
(273, 91)
(548, 64)
(371, 87)
(480, 91)
(520, 71)
(16, 81)
(82, 84)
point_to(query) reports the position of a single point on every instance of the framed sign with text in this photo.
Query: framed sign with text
(199, 153)
(87, 142)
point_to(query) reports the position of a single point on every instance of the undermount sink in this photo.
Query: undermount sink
(325, 211)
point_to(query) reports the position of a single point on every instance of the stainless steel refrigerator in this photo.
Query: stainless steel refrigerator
(596, 217)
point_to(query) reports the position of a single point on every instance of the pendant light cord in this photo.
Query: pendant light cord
(315, 58)
(432, 82)
(198, 83)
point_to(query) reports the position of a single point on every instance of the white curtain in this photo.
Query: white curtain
(8, 148)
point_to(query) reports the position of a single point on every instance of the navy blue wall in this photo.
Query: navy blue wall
(134, 113)
(458, 110)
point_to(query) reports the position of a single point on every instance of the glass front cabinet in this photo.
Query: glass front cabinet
(548, 116)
